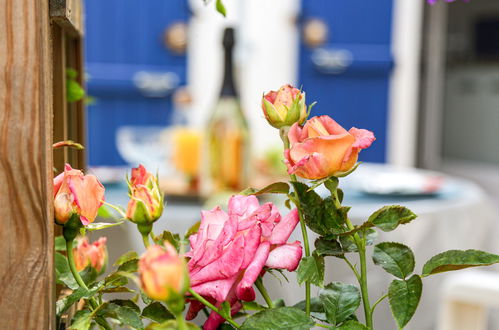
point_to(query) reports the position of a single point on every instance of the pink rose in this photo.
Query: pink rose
(284, 107)
(229, 251)
(322, 148)
(146, 200)
(94, 254)
(75, 193)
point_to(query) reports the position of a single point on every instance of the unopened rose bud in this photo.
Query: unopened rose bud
(163, 273)
(94, 255)
(284, 107)
(146, 200)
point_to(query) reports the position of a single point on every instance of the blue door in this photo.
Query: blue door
(131, 71)
(348, 72)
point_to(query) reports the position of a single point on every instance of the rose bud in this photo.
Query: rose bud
(284, 107)
(146, 200)
(94, 255)
(163, 273)
(322, 148)
(76, 194)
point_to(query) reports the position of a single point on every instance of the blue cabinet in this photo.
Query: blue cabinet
(131, 72)
(348, 74)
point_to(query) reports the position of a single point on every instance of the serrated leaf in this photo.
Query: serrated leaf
(311, 269)
(278, 318)
(352, 325)
(124, 314)
(102, 225)
(274, 188)
(396, 258)
(82, 320)
(325, 247)
(60, 243)
(389, 217)
(348, 244)
(404, 298)
(458, 259)
(61, 263)
(116, 289)
(63, 304)
(171, 325)
(340, 301)
(130, 255)
(316, 308)
(157, 312)
(168, 236)
(127, 303)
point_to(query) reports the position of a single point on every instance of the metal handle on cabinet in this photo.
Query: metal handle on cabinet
(333, 61)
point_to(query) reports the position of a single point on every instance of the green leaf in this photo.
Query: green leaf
(253, 306)
(102, 225)
(82, 320)
(278, 318)
(124, 314)
(397, 259)
(316, 308)
(157, 312)
(63, 304)
(145, 298)
(221, 8)
(130, 255)
(274, 188)
(325, 247)
(105, 212)
(225, 309)
(127, 303)
(171, 325)
(320, 215)
(340, 301)
(311, 269)
(348, 245)
(60, 243)
(389, 217)
(331, 183)
(193, 230)
(61, 263)
(74, 92)
(130, 266)
(352, 325)
(168, 236)
(458, 259)
(404, 298)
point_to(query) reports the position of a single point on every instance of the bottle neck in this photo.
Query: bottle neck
(228, 86)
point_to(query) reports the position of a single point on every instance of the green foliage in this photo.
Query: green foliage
(74, 92)
(278, 318)
(352, 325)
(274, 188)
(82, 320)
(221, 8)
(316, 308)
(63, 304)
(397, 259)
(311, 269)
(170, 325)
(389, 217)
(168, 236)
(340, 301)
(126, 315)
(130, 255)
(348, 244)
(130, 266)
(192, 230)
(404, 298)
(325, 247)
(458, 259)
(321, 215)
(60, 244)
(105, 212)
(102, 225)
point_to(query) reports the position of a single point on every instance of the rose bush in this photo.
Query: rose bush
(322, 148)
(75, 193)
(231, 249)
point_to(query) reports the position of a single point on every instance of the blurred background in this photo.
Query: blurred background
(424, 79)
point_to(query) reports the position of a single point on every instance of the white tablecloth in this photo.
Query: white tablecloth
(461, 217)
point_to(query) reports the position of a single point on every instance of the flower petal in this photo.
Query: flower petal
(243, 206)
(286, 256)
(363, 138)
(244, 290)
(218, 289)
(283, 229)
(88, 193)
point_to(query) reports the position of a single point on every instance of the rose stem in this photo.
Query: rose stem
(181, 322)
(212, 307)
(79, 280)
(263, 291)
(283, 132)
(145, 239)
(361, 246)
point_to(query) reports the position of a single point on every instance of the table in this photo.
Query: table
(461, 217)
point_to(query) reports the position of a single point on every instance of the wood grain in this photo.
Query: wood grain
(26, 219)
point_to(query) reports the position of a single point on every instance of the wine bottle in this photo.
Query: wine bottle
(227, 132)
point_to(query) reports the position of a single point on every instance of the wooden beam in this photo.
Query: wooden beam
(26, 216)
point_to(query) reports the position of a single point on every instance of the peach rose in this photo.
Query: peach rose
(322, 148)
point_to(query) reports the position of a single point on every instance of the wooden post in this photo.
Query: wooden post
(26, 216)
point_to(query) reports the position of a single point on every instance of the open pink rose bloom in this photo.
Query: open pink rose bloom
(322, 148)
(77, 193)
(229, 251)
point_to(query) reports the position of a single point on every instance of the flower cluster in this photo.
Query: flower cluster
(91, 254)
